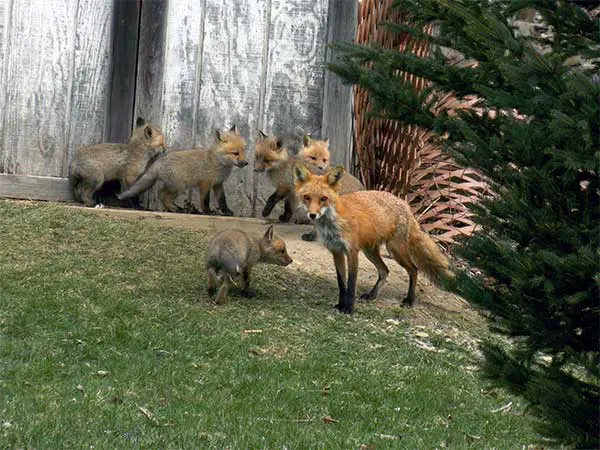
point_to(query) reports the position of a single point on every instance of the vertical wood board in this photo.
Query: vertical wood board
(337, 98)
(182, 52)
(229, 89)
(91, 77)
(123, 68)
(295, 73)
(37, 86)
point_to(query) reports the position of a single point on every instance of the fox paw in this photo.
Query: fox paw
(309, 237)
(344, 309)
(248, 293)
(407, 302)
(285, 217)
(368, 296)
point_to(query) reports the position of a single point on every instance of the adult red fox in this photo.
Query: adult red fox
(364, 220)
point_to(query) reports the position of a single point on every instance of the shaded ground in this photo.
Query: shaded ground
(435, 307)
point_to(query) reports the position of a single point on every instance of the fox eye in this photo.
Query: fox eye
(236, 153)
(307, 197)
(282, 251)
(267, 161)
(313, 158)
(324, 199)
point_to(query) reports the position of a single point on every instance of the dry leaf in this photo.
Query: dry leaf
(505, 408)
(328, 419)
(252, 331)
(80, 388)
(148, 414)
(472, 438)
(422, 334)
(102, 373)
(388, 437)
(366, 447)
(426, 346)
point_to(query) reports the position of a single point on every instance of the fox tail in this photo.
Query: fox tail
(427, 256)
(144, 182)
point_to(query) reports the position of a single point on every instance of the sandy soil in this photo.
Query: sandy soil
(434, 305)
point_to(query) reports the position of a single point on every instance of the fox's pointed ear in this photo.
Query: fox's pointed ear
(148, 132)
(219, 136)
(261, 134)
(334, 175)
(279, 143)
(269, 234)
(139, 122)
(301, 172)
(326, 140)
(307, 140)
(234, 129)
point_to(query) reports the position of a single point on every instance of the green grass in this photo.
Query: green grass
(108, 340)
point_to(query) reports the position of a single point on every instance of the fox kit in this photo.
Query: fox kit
(363, 221)
(207, 169)
(271, 156)
(92, 166)
(232, 253)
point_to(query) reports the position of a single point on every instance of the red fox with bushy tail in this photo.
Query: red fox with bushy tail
(363, 221)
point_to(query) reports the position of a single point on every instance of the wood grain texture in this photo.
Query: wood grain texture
(35, 188)
(337, 98)
(123, 67)
(91, 77)
(37, 84)
(151, 61)
(229, 86)
(5, 14)
(295, 73)
(150, 73)
(294, 76)
(184, 31)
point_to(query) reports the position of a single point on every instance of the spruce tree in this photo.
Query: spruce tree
(534, 134)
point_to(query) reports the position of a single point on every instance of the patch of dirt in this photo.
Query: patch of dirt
(435, 308)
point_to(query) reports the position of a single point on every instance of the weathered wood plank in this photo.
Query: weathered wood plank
(184, 33)
(151, 65)
(124, 56)
(151, 61)
(37, 85)
(294, 85)
(5, 14)
(230, 81)
(35, 188)
(295, 72)
(91, 77)
(337, 98)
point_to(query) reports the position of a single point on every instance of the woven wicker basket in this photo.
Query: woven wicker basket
(404, 159)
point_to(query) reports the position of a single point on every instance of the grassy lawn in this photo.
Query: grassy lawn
(108, 340)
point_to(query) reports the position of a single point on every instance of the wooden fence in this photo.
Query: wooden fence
(78, 72)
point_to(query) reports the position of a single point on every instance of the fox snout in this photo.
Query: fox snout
(286, 261)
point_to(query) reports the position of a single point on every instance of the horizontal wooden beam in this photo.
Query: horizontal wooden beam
(35, 188)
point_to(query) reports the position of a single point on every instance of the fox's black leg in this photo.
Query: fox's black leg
(310, 236)
(340, 269)
(222, 200)
(351, 288)
(287, 211)
(204, 189)
(275, 198)
(246, 291)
